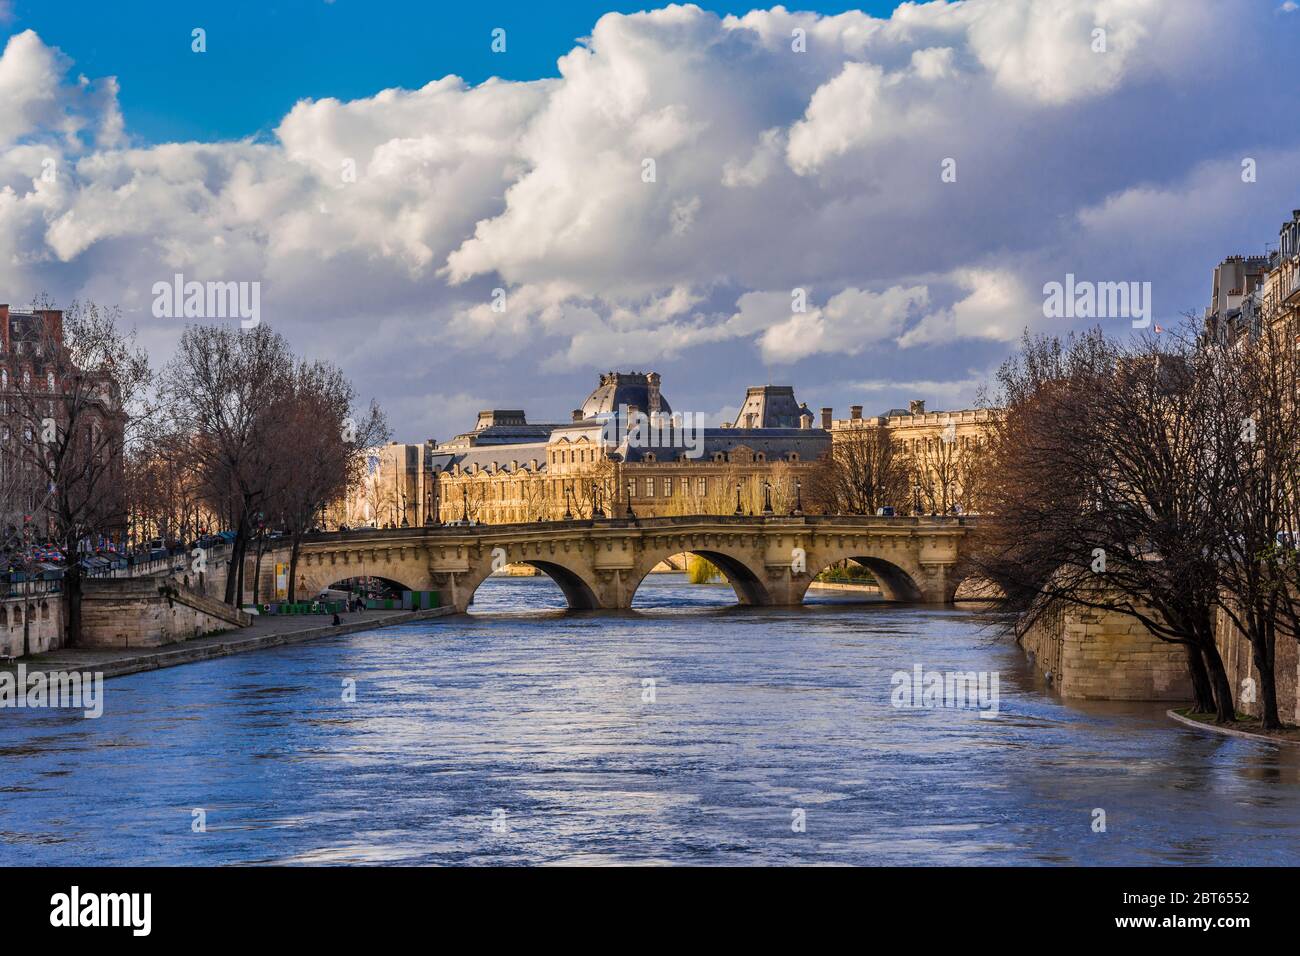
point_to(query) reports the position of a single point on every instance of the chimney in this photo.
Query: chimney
(916, 407)
(855, 412)
(826, 419)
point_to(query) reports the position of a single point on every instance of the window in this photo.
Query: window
(686, 485)
(668, 487)
(649, 487)
(631, 487)
(702, 487)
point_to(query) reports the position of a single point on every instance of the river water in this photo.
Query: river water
(522, 734)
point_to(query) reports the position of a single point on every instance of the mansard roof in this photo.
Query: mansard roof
(770, 406)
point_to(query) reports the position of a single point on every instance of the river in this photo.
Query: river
(521, 734)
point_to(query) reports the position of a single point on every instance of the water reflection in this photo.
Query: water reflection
(540, 714)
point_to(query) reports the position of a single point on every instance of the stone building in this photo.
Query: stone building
(939, 451)
(626, 449)
(1251, 290)
(396, 489)
(41, 389)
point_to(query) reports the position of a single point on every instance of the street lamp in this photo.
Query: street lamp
(798, 498)
(568, 512)
(464, 498)
(767, 498)
(739, 510)
(916, 499)
(596, 510)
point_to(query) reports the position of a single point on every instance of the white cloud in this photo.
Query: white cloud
(774, 170)
(996, 306)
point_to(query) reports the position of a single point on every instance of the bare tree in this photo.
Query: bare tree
(75, 389)
(1256, 375)
(1106, 473)
(865, 471)
(322, 441)
(221, 389)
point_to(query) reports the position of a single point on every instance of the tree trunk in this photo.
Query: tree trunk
(1225, 709)
(257, 571)
(1263, 655)
(243, 556)
(293, 568)
(1202, 689)
(72, 592)
(232, 571)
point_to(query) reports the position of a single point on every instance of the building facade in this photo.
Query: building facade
(624, 451)
(1249, 291)
(938, 452)
(59, 425)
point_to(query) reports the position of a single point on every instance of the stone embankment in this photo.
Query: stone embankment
(264, 632)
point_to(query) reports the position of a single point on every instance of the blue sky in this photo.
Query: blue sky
(265, 56)
(653, 190)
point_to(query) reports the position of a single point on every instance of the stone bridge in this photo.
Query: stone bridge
(601, 563)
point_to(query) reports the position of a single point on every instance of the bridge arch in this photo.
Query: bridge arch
(900, 578)
(341, 584)
(577, 592)
(747, 584)
(569, 569)
(402, 566)
(738, 558)
(895, 582)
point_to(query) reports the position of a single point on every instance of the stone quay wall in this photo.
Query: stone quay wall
(138, 612)
(1239, 663)
(45, 628)
(1103, 655)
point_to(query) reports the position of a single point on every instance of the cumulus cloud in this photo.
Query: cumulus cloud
(658, 201)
